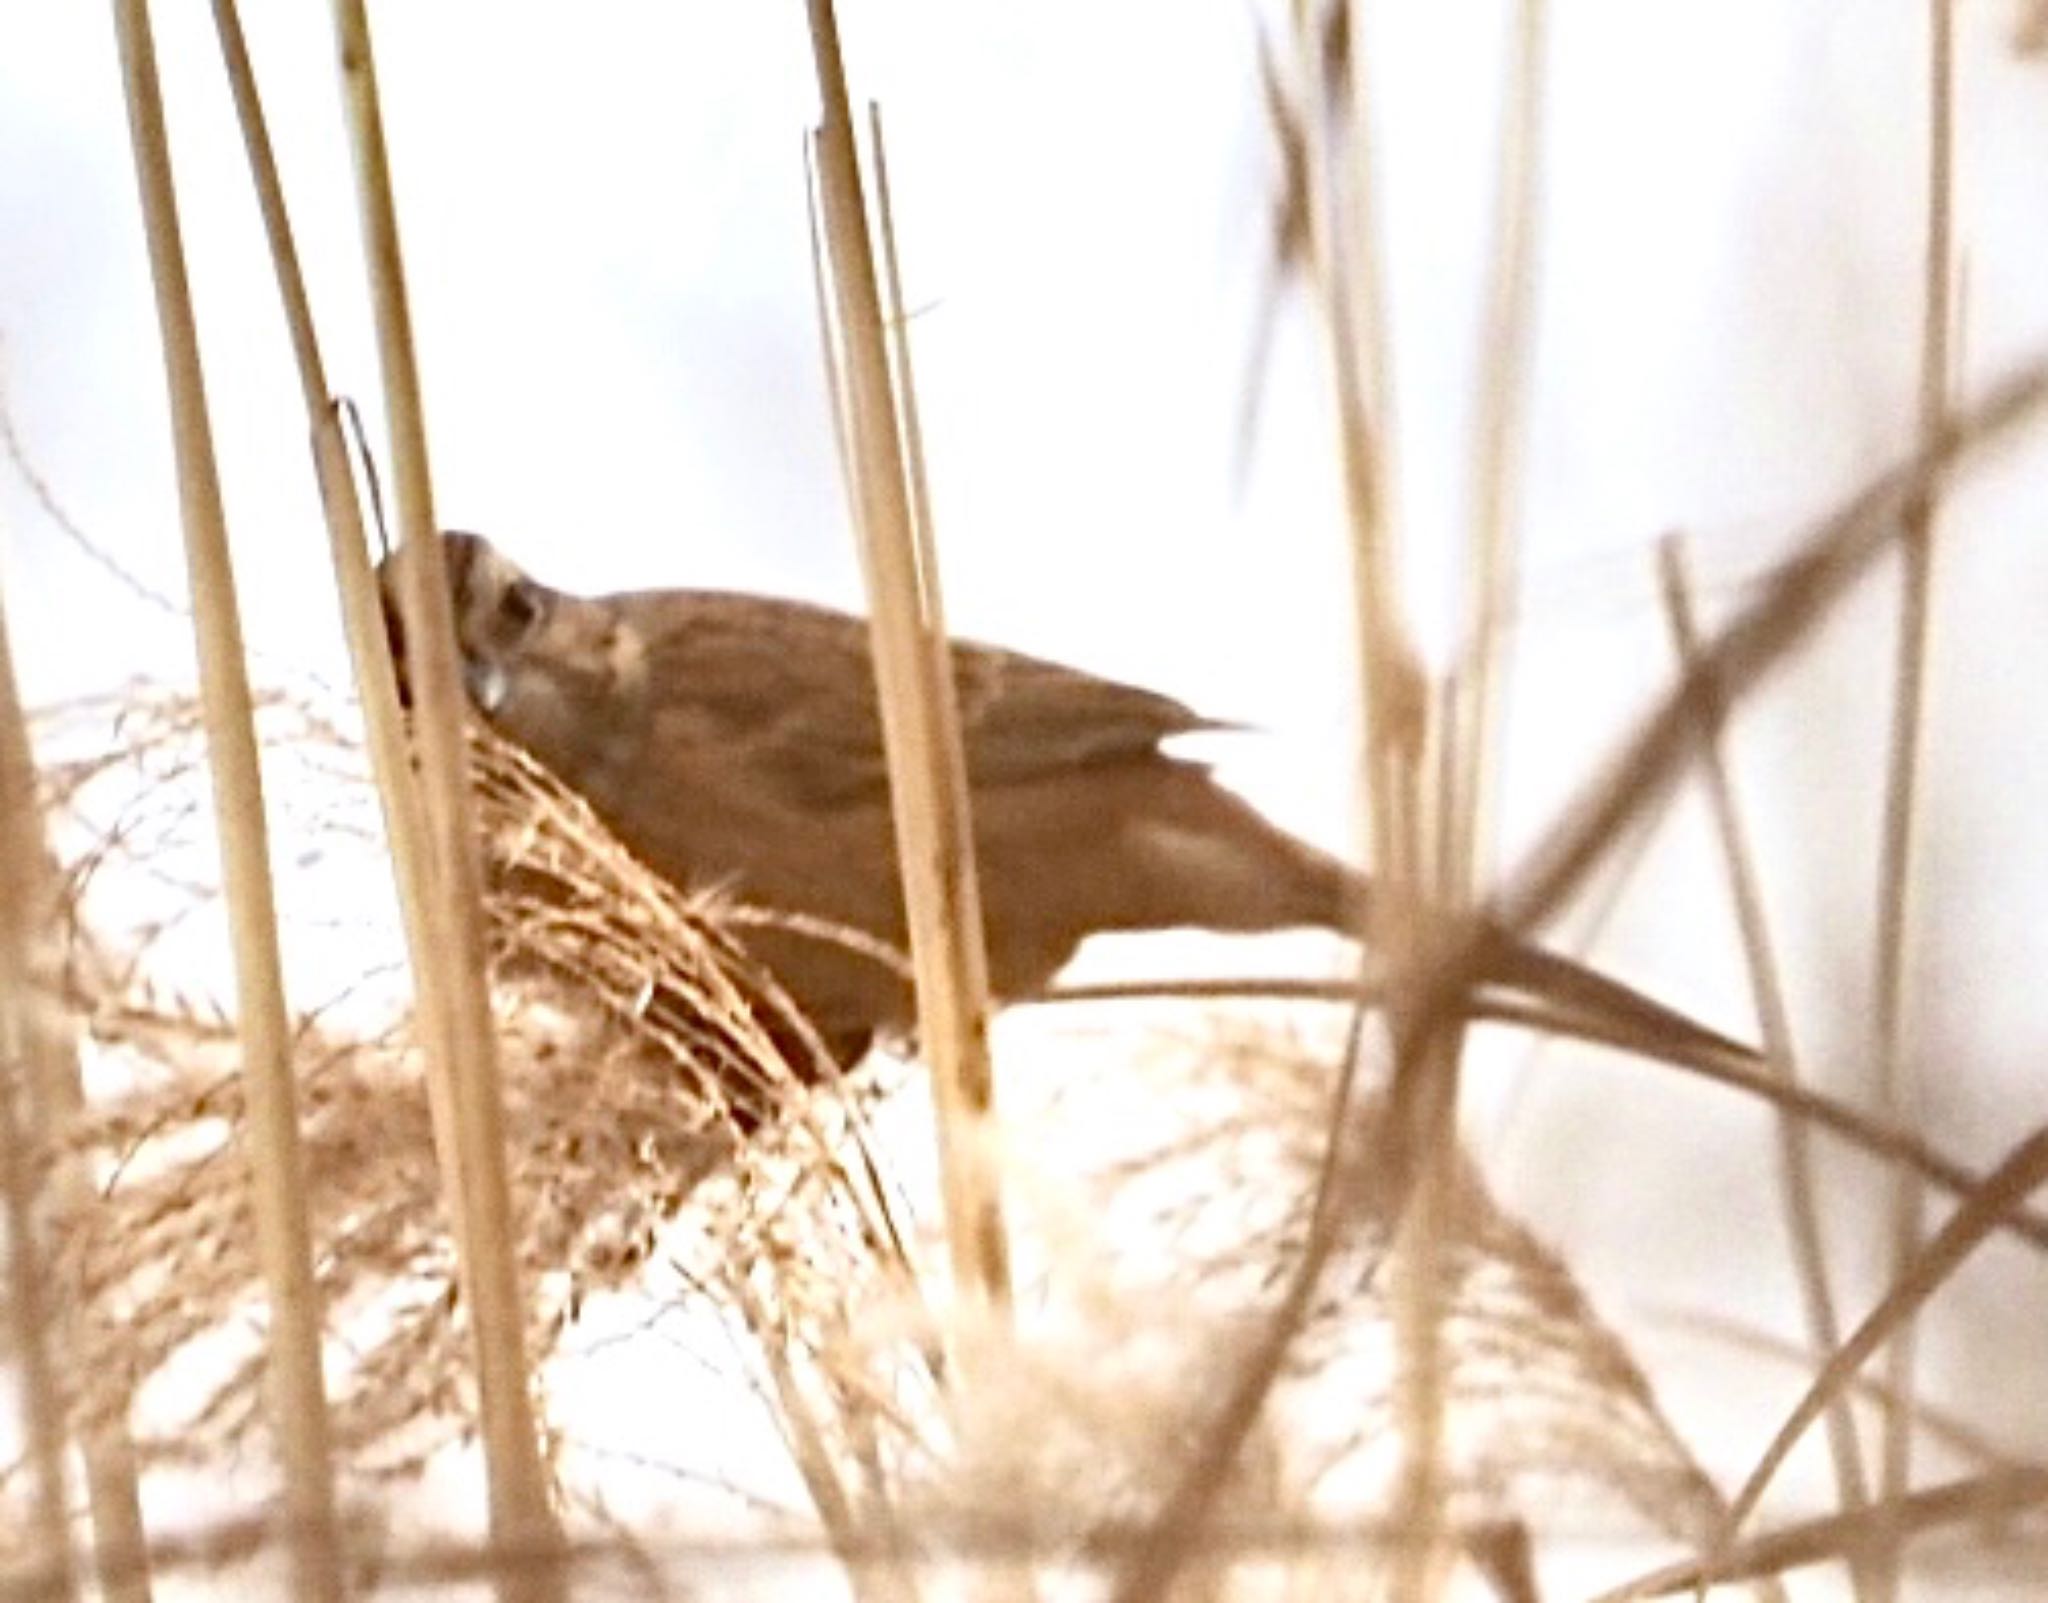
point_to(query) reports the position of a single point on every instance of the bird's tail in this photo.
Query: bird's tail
(1226, 867)
(1597, 1005)
(1578, 998)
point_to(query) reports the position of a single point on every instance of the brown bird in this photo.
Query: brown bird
(735, 740)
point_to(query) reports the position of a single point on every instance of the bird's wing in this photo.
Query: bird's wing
(787, 689)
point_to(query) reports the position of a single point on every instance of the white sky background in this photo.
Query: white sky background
(606, 239)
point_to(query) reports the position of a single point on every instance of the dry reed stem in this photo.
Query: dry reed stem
(269, 192)
(449, 969)
(903, 382)
(1977, 1501)
(1937, 1427)
(27, 1046)
(1324, 228)
(2004, 1189)
(298, 1400)
(830, 341)
(2030, 33)
(920, 720)
(1795, 1158)
(1506, 338)
(1899, 1092)
(1404, 822)
(361, 605)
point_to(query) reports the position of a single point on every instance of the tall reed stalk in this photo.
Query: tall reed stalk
(298, 1398)
(448, 952)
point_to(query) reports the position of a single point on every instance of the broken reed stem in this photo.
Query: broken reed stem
(896, 321)
(447, 945)
(1795, 1157)
(920, 720)
(1506, 336)
(1899, 1092)
(26, 1040)
(297, 1399)
(829, 340)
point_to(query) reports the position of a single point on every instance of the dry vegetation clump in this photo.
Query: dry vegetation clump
(1168, 1186)
(1544, 1401)
(638, 1062)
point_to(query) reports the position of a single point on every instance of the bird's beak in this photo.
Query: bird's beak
(486, 683)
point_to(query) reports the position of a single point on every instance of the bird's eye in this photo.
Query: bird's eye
(519, 607)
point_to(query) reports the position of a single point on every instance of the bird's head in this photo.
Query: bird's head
(564, 676)
(499, 613)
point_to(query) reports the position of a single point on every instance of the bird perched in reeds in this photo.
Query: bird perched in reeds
(735, 740)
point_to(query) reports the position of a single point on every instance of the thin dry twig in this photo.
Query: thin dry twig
(1900, 1095)
(1977, 1500)
(2003, 1190)
(1795, 1158)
